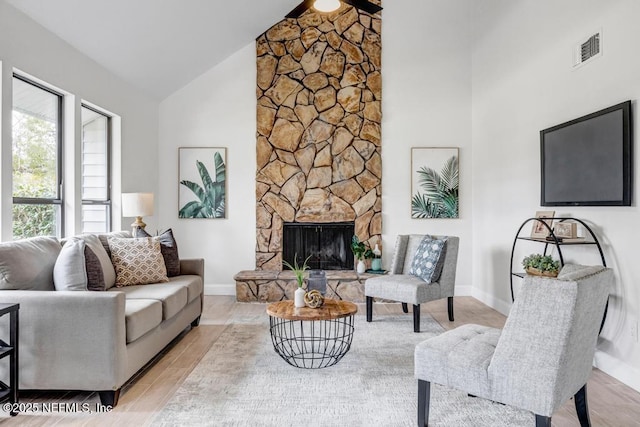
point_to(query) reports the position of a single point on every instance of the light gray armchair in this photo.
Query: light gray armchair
(541, 358)
(399, 285)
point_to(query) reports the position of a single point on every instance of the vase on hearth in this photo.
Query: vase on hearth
(361, 266)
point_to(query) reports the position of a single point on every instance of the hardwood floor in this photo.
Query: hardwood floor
(611, 403)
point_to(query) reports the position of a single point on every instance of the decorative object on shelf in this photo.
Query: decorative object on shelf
(207, 166)
(372, 271)
(362, 251)
(313, 299)
(541, 265)
(137, 205)
(298, 271)
(435, 194)
(539, 230)
(565, 230)
(376, 262)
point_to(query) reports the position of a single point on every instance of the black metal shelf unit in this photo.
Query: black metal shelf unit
(553, 240)
(10, 392)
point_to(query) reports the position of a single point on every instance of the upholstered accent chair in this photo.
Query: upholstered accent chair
(401, 286)
(541, 358)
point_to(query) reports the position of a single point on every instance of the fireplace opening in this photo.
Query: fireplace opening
(328, 244)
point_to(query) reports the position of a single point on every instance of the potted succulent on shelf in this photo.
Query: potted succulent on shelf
(362, 251)
(298, 271)
(541, 265)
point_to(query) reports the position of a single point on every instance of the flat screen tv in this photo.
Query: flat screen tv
(587, 161)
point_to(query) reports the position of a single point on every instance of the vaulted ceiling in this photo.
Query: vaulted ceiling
(157, 46)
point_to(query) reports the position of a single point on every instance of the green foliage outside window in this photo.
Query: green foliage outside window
(34, 175)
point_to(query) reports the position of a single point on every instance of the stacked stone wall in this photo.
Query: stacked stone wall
(319, 92)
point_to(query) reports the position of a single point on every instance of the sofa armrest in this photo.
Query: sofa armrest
(192, 266)
(70, 339)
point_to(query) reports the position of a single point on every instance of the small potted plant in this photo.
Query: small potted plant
(298, 271)
(541, 265)
(362, 251)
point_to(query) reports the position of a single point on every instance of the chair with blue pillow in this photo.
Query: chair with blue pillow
(423, 269)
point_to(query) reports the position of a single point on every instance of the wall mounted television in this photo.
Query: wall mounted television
(588, 161)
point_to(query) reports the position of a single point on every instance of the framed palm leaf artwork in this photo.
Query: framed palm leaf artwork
(203, 182)
(434, 183)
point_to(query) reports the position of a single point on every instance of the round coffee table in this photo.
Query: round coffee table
(312, 338)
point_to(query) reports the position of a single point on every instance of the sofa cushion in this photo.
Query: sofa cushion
(142, 315)
(401, 287)
(173, 297)
(193, 284)
(427, 261)
(28, 264)
(169, 249)
(137, 261)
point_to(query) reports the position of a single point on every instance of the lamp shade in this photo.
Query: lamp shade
(137, 204)
(326, 5)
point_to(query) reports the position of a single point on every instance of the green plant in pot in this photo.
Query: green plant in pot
(298, 271)
(541, 265)
(362, 251)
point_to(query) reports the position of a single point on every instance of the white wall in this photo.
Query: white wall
(427, 102)
(28, 47)
(426, 72)
(523, 82)
(218, 109)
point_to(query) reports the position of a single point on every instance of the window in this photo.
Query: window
(37, 157)
(96, 200)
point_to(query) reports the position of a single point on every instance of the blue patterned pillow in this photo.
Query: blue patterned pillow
(427, 262)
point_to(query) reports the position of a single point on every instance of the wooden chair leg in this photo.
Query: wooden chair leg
(450, 307)
(424, 396)
(582, 409)
(369, 309)
(405, 308)
(416, 318)
(542, 421)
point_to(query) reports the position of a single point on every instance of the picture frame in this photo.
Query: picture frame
(202, 182)
(538, 230)
(565, 230)
(430, 166)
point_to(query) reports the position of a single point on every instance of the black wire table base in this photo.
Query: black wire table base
(311, 344)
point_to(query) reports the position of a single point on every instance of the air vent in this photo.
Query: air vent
(588, 49)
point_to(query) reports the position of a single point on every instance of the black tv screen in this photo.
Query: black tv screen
(587, 161)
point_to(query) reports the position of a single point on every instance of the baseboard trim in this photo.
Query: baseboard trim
(618, 369)
(497, 304)
(212, 289)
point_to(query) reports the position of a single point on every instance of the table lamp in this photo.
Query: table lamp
(137, 205)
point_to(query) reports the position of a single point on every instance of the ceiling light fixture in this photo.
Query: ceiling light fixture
(326, 5)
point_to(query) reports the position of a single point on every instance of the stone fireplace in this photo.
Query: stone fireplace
(327, 246)
(318, 128)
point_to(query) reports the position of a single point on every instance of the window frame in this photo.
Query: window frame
(107, 202)
(59, 200)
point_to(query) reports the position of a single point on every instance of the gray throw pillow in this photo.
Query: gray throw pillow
(69, 273)
(94, 243)
(78, 268)
(428, 259)
(169, 249)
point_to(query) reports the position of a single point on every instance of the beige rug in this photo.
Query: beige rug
(241, 381)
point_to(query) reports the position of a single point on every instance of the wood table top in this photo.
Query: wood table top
(331, 309)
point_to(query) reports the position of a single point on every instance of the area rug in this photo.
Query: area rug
(241, 381)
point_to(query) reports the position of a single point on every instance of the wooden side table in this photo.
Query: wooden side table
(10, 392)
(312, 338)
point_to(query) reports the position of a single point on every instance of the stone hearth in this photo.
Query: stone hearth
(272, 286)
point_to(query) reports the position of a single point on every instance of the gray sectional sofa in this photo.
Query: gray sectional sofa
(89, 340)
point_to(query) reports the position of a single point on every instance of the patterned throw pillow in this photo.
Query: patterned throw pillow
(169, 249)
(137, 261)
(427, 262)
